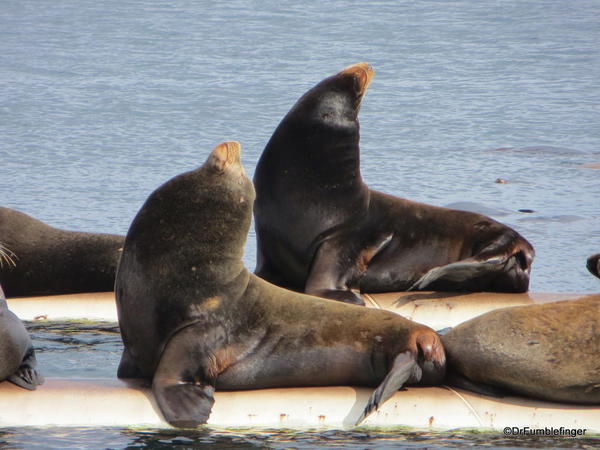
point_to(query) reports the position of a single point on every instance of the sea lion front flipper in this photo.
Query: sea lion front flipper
(404, 366)
(26, 376)
(329, 277)
(127, 366)
(184, 405)
(184, 381)
(338, 266)
(461, 271)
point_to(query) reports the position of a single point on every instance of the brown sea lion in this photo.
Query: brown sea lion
(548, 351)
(193, 319)
(593, 264)
(37, 259)
(322, 231)
(17, 356)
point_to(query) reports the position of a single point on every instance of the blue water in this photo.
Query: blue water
(100, 102)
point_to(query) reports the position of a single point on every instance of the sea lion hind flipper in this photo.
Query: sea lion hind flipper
(26, 376)
(404, 366)
(461, 271)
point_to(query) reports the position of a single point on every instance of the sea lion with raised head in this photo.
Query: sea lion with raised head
(37, 259)
(322, 231)
(17, 356)
(193, 319)
(547, 351)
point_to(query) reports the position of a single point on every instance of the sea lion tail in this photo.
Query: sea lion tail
(404, 366)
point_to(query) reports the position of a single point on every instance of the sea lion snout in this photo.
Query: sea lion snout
(225, 154)
(363, 73)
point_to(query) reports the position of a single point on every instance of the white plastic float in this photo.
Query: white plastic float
(112, 402)
(108, 402)
(435, 309)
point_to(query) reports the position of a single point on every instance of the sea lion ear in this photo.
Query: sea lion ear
(224, 155)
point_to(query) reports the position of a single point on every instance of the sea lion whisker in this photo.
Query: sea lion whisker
(7, 255)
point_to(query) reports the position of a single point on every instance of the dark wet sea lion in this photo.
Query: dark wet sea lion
(321, 230)
(593, 264)
(547, 351)
(17, 357)
(193, 319)
(37, 259)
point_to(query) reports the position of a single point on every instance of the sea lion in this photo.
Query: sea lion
(593, 264)
(37, 259)
(17, 357)
(321, 230)
(547, 351)
(193, 319)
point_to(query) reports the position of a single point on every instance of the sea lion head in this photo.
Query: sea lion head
(319, 137)
(198, 220)
(222, 198)
(359, 76)
(336, 100)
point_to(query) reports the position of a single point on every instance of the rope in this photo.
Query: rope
(372, 301)
(468, 405)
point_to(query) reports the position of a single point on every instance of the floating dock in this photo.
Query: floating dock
(112, 402)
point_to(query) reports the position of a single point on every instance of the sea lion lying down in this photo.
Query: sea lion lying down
(548, 351)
